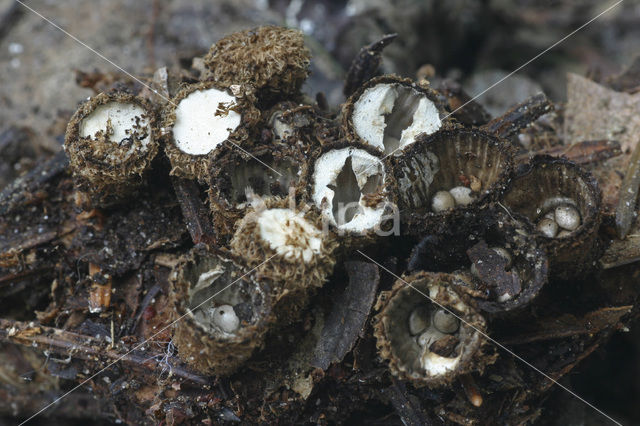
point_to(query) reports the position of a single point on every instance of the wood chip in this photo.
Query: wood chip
(346, 321)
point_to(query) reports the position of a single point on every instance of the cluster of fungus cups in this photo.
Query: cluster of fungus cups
(272, 168)
(563, 201)
(280, 175)
(246, 69)
(449, 176)
(111, 142)
(431, 339)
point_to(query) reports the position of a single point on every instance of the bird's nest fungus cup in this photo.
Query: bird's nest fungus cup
(111, 141)
(272, 170)
(272, 59)
(496, 261)
(388, 113)
(223, 311)
(562, 201)
(300, 253)
(448, 177)
(201, 119)
(293, 123)
(429, 343)
(351, 186)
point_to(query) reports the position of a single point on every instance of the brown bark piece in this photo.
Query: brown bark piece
(347, 319)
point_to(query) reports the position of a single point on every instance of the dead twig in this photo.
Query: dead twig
(568, 326)
(22, 190)
(87, 348)
(519, 117)
(365, 64)
(195, 214)
(585, 152)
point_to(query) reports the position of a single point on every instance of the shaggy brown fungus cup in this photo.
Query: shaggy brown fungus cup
(542, 192)
(223, 311)
(111, 142)
(496, 259)
(449, 175)
(272, 59)
(351, 186)
(266, 171)
(294, 123)
(422, 341)
(300, 252)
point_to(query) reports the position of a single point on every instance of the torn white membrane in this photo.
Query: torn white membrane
(290, 234)
(437, 365)
(390, 116)
(341, 180)
(119, 121)
(434, 364)
(204, 121)
(423, 326)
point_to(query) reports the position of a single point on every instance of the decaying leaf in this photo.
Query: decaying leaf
(596, 112)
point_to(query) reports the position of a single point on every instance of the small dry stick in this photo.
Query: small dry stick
(21, 190)
(584, 152)
(83, 347)
(195, 213)
(519, 117)
(365, 65)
